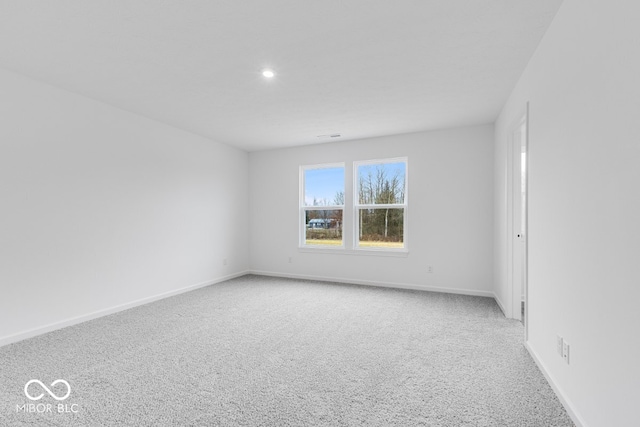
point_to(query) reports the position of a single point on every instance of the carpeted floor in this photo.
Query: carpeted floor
(258, 351)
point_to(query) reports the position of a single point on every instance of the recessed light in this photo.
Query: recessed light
(268, 74)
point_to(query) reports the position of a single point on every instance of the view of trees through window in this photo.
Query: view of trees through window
(324, 205)
(324, 227)
(379, 205)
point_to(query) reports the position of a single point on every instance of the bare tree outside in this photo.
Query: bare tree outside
(377, 186)
(324, 189)
(379, 203)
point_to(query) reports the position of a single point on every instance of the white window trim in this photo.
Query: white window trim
(357, 206)
(302, 246)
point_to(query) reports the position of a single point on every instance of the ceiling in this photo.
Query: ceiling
(359, 68)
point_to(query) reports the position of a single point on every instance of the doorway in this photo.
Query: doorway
(519, 229)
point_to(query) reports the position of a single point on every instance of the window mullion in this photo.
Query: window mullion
(382, 206)
(323, 208)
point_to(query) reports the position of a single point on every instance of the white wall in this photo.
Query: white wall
(101, 208)
(450, 211)
(584, 215)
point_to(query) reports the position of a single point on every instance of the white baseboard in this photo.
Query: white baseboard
(577, 420)
(100, 313)
(416, 287)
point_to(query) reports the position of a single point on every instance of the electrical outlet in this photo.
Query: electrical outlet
(224, 261)
(559, 342)
(290, 260)
(565, 351)
(429, 269)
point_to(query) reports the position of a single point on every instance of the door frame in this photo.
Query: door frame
(515, 290)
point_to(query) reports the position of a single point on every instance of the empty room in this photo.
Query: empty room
(305, 213)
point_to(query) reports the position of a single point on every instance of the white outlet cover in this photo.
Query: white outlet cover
(559, 345)
(566, 351)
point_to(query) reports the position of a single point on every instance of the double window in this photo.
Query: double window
(374, 216)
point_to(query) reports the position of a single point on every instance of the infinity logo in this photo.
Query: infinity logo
(26, 391)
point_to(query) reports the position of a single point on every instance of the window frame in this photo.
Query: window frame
(302, 225)
(357, 206)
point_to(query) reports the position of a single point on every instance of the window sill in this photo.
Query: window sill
(400, 253)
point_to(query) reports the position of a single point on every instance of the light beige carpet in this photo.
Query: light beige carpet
(258, 351)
